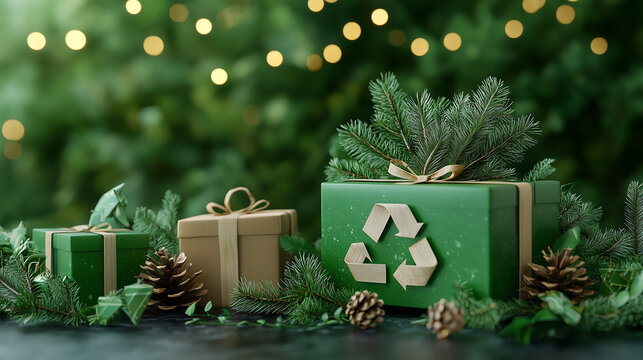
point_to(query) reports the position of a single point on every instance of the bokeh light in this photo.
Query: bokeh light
(36, 41)
(332, 53)
(419, 46)
(12, 150)
(331, 1)
(396, 37)
(379, 17)
(203, 26)
(352, 30)
(133, 6)
(452, 41)
(565, 14)
(13, 129)
(513, 29)
(531, 6)
(314, 62)
(153, 45)
(598, 45)
(75, 39)
(315, 5)
(179, 13)
(219, 76)
(274, 58)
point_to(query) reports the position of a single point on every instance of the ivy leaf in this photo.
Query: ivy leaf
(111, 209)
(568, 240)
(561, 305)
(208, 306)
(338, 314)
(190, 310)
(107, 309)
(636, 287)
(135, 298)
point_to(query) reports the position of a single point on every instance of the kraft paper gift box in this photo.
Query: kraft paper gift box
(83, 255)
(232, 245)
(471, 231)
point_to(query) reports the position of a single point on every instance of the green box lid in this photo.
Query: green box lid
(85, 241)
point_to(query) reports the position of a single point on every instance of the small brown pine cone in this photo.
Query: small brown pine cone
(564, 273)
(445, 318)
(365, 309)
(174, 284)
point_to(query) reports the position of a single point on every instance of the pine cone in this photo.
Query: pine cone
(174, 286)
(365, 309)
(445, 318)
(563, 273)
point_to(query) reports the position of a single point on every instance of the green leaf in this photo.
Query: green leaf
(568, 240)
(135, 299)
(107, 309)
(636, 287)
(111, 209)
(190, 310)
(543, 316)
(520, 329)
(208, 306)
(338, 314)
(324, 317)
(621, 298)
(226, 313)
(561, 305)
(192, 321)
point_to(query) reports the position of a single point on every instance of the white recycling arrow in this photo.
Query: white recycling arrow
(402, 216)
(372, 273)
(420, 273)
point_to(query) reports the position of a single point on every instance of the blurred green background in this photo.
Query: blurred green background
(110, 112)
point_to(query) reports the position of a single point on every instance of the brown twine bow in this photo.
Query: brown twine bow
(226, 209)
(446, 173)
(93, 228)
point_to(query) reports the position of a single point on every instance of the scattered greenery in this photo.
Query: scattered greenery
(225, 318)
(161, 225)
(304, 295)
(477, 130)
(488, 313)
(130, 300)
(29, 297)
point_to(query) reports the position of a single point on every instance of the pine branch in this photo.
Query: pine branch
(305, 293)
(477, 131)
(53, 299)
(339, 169)
(542, 170)
(162, 225)
(634, 215)
(600, 314)
(613, 244)
(573, 211)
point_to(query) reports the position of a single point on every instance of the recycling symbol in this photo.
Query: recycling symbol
(408, 227)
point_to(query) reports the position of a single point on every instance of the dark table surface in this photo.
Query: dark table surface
(166, 337)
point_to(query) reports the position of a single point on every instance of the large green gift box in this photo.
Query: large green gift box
(472, 232)
(79, 254)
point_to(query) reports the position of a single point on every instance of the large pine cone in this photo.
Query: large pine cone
(445, 318)
(174, 285)
(564, 273)
(365, 309)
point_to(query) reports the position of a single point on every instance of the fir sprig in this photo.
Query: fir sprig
(28, 299)
(161, 225)
(478, 131)
(305, 293)
(542, 170)
(573, 211)
(488, 313)
(634, 215)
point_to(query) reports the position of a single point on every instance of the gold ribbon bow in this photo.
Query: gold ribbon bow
(109, 250)
(446, 173)
(228, 237)
(226, 209)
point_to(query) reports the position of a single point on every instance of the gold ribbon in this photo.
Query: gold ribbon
(109, 251)
(444, 174)
(448, 173)
(228, 237)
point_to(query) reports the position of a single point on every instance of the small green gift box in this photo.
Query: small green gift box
(82, 255)
(412, 244)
